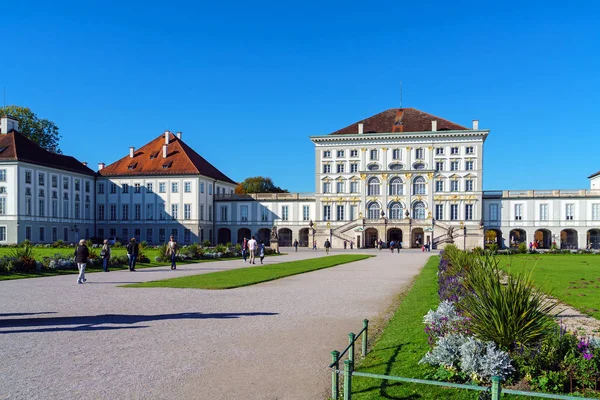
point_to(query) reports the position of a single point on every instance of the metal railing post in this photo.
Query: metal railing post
(335, 377)
(364, 336)
(348, 365)
(495, 388)
(351, 343)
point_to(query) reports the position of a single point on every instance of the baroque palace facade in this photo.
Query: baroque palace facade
(402, 175)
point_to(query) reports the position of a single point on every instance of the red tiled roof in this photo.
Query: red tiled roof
(148, 160)
(400, 120)
(17, 147)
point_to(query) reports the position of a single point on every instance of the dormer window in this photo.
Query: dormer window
(132, 166)
(3, 148)
(154, 155)
(167, 165)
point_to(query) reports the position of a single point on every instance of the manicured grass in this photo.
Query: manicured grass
(249, 276)
(572, 278)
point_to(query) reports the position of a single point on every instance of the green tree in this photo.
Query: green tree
(42, 131)
(258, 184)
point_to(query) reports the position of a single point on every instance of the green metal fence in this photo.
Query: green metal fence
(495, 389)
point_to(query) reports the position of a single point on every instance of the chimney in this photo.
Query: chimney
(167, 137)
(7, 124)
(164, 151)
(131, 151)
(475, 124)
(179, 135)
(84, 163)
(360, 129)
(101, 165)
(433, 126)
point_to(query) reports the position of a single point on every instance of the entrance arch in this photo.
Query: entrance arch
(417, 237)
(593, 239)
(493, 236)
(568, 239)
(543, 237)
(371, 237)
(243, 233)
(517, 236)
(224, 236)
(394, 234)
(303, 237)
(264, 234)
(285, 237)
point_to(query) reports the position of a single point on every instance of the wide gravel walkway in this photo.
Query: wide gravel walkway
(60, 340)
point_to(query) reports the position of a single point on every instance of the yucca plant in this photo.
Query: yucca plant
(508, 314)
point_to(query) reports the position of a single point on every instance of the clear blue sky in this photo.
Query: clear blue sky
(249, 82)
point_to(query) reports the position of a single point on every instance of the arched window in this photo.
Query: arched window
(395, 167)
(419, 210)
(396, 211)
(373, 167)
(396, 187)
(373, 187)
(373, 211)
(419, 185)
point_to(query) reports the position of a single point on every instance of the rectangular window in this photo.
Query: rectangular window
(352, 213)
(264, 214)
(174, 211)
(493, 212)
(65, 183)
(137, 188)
(326, 154)
(42, 234)
(65, 209)
(162, 213)
(518, 212)
(201, 234)
(125, 214)
(187, 211)
(353, 187)
(244, 213)
(453, 150)
(469, 150)
(340, 213)
(187, 236)
(41, 179)
(419, 154)
(569, 211)
(161, 235)
(76, 211)
(87, 186)
(149, 235)
(468, 212)
(187, 187)
(543, 212)
(55, 234)
(2, 205)
(150, 211)
(174, 187)
(469, 165)
(113, 188)
(595, 212)
(439, 166)
(340, 153)
(469, 185)
(149, 188)
(100, 211)
(210, 215)
(326, 168)
(454, 186)
(340, 187)
(2, 175)
(454, 166)
(353, 167)
(162, 187)
(66, 234)
(439, 211)
(126, 188)
(396, 154)
(439, 151)
(439, 186)
(210, 189)
(77, 184)
(305, 213)
(28, 206)
(223, 213)
(326, 213)
(201, 212)
(101, 188)
(27, 176)
(201, 187)
(54, 181)
(28, 233)
(137, 212)
(113, 212)
(2, 234)
(125, 234)
(326, 187)
(284, 213)
(374, 154)
(340, 168)
(353, 153)
(453, 212)
(87, 211)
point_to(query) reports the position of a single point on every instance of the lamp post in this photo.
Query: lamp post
(464, 228)
(384, 226)
(330, 233)
(432, 231)
(407, 215)
(312, 226)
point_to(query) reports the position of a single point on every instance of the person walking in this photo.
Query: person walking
(133, 250)
(399, 245)
(261, 251)
(351, 245)
(81, 257)
(245, 249)
(105, 254)
(327, 246)
(295, 246)
(314, 245)
(345, 244)
(392, 245)
(172, 248)
(252, 247)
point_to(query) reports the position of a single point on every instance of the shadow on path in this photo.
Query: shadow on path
(26, 313)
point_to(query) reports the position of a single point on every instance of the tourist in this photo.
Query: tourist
(105, 255)
(172, 252)
(245, 249)
(252, 247)
(314, 245)
(261, 251)
(345, 244)
(392, 245)
(530, 246)
(132, 252)
(295, 246)
(327, 245)
(81, 257)
(351, 244)
(399, 245)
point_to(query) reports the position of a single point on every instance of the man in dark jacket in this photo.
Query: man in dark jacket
(81, 257)
(132, 253)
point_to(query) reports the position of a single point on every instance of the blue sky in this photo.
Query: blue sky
(248, 82)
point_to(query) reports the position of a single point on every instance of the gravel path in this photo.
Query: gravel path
(60, 340)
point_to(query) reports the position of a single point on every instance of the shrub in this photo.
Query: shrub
(493, 248)
(443, 321)
(23, 259)
(478, 250)
(522, 248)
(206, 243)
(117, 245)
(58, 244)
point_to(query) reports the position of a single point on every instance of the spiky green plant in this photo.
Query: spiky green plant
(507, 314)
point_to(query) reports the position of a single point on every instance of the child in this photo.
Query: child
(261, 251)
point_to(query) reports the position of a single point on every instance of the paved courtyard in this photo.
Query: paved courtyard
(60, 340)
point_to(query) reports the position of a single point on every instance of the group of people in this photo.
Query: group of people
(82, 255)
(251, 247)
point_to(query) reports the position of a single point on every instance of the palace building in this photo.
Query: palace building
(401, 175)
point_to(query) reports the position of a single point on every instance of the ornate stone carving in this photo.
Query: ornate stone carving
(430, 175)
(363, 149)
(408, 175)
(384, 176)
(363, 176)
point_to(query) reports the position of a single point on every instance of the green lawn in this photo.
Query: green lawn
(572, 278)
(252, 275)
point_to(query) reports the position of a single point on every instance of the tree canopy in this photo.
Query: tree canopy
(258, 184)
(42, 131)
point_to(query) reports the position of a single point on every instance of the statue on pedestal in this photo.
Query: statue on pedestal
(274, 240)
(450, 233)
